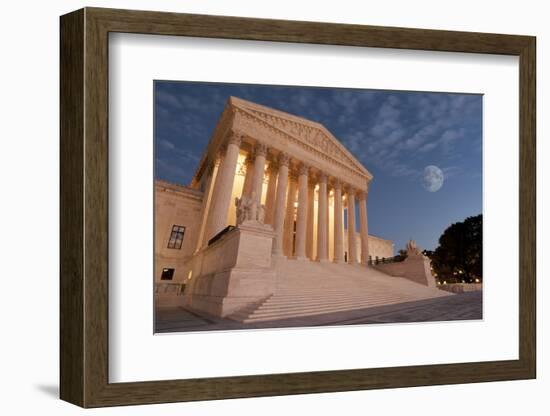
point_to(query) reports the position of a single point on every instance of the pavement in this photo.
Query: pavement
(463, 306)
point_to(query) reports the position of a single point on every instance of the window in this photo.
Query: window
(176, 237)
(167, 274)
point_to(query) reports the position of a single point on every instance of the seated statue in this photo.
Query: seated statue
(412, 249)
(240, 208)
(261, 213)
(248, 209)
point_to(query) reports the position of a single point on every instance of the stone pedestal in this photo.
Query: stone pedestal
(233, 272)
(415, 267)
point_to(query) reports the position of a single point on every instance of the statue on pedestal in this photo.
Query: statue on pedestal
(412, 249)
(248, 209)
(240, 205)
(261, 213)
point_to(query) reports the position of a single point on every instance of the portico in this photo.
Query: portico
(305, 179)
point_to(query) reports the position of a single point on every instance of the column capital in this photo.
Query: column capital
(303, 169)
(362, 195)
(217, 160)
(272, 167)
(249, 158)
(337, 184)
(260, 149)
(323, 177)
(284, 159)
(236, 137)
(350, 191)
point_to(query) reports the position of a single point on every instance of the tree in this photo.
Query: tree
(401, 255)
(459, 254)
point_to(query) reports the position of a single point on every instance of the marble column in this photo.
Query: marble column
(249, 172)
(364, 228)
(279, 212)
(289, 216)
(322, 223)
(221, 197)
(271, 193)
(338, 224)
(206, 197)
(352, 248)
(301, 215)
(260, 153)
(310, 248)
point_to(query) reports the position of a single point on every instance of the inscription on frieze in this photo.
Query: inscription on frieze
(310, 135)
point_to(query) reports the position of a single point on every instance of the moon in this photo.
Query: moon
(433, 178)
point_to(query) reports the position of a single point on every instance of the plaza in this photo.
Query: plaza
(466, 306)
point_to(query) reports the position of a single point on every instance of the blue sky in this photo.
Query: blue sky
(394, 134)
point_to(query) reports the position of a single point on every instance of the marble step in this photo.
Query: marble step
(304, 294)
(268, 311)
(267, 307)
(309, 312)
(321, 305)
(309, 288)
(345, 284)
(319, 289)
(276, 300)
(328, 297)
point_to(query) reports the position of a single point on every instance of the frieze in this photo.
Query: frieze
(310, 138)
(313, 136)
(258, 128)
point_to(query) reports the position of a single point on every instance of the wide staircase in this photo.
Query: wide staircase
(307, 288)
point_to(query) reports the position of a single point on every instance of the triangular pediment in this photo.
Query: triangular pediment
(306, 131)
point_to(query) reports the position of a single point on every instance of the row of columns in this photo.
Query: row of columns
(280, 200)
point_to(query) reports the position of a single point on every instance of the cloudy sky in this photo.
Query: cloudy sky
(394, 134)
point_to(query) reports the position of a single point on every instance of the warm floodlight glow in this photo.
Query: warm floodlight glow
(240, 169)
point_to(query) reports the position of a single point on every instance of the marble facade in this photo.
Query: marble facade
(310, 189)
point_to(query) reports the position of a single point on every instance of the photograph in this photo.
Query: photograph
(298, 206)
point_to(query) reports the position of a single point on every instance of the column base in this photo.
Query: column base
(323, 260)
(302, 258)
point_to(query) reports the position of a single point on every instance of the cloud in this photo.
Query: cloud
(396, 132)
(404, 129)
(427, 147)
(184, 155)
(166, 144)
(174, 100)
(166, 169)
(451, 171)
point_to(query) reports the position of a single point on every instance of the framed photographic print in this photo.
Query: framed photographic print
(255, 207)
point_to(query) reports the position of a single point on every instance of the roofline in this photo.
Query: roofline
(236, 100)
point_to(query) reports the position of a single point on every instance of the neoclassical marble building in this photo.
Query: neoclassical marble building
(273, 200)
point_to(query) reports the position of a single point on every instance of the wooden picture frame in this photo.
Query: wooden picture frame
(84, 207)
